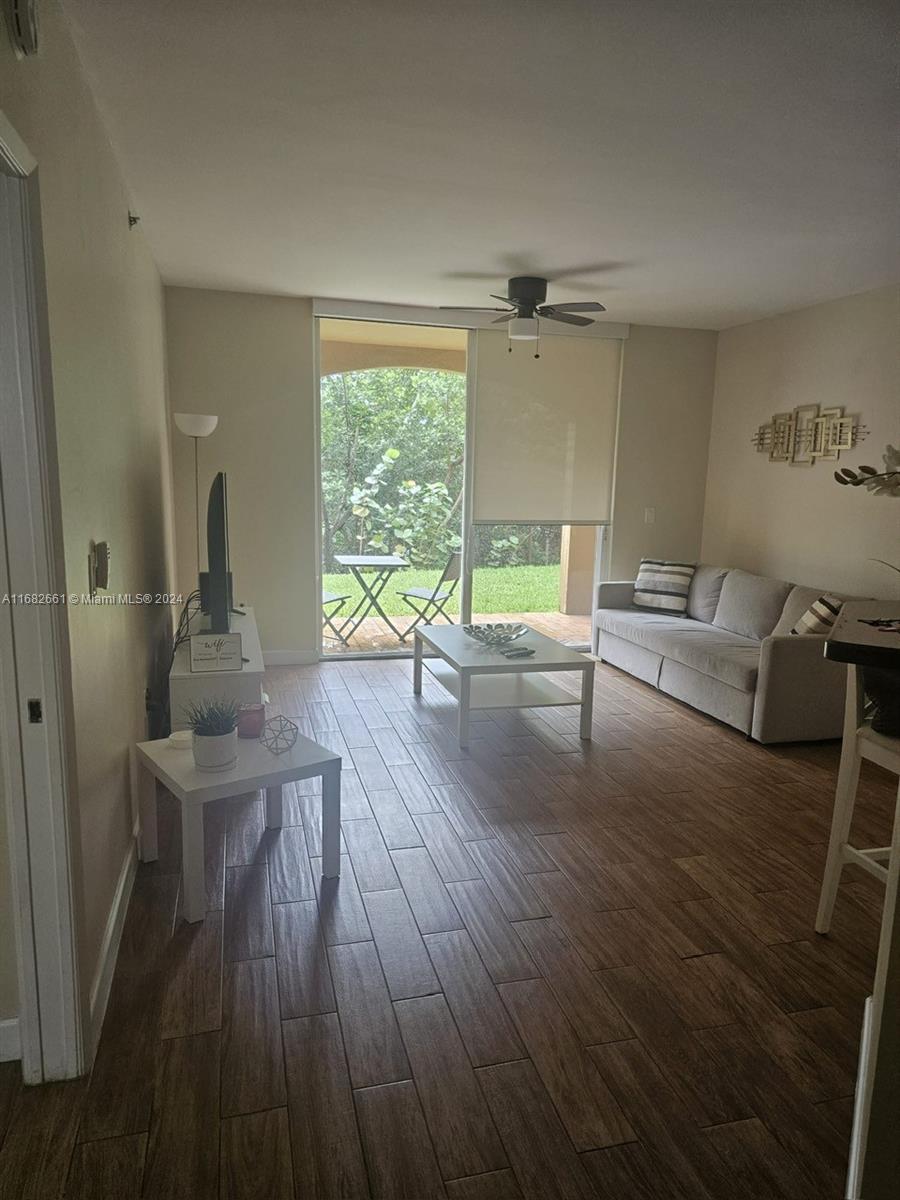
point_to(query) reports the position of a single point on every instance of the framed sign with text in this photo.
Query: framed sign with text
(216, 652)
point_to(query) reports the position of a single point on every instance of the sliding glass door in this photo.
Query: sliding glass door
(392, 437)
(460, 480)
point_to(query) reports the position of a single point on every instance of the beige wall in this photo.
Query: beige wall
(351, 356)
(106, 328)
(249, 359)
(796, 522)
(665, 400)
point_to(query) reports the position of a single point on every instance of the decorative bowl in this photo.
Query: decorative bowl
(495, 635)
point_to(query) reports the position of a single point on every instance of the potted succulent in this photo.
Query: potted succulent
(214, 725)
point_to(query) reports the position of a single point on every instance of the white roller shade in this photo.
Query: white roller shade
(545, 429)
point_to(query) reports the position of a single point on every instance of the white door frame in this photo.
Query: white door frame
(468, 528)
(36, 755)
(386, 313)
(319, 502)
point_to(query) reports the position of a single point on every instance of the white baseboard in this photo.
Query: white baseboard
(109, 952)
(10, 1046)
(290, 658)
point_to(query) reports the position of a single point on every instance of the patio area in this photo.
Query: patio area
(373, 636)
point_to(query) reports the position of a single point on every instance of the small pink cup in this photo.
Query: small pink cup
(251, 720)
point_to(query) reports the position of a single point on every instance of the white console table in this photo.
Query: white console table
(245, 686)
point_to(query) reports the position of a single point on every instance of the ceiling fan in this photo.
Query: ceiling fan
(526, 296)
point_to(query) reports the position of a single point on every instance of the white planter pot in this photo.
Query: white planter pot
(218, 753)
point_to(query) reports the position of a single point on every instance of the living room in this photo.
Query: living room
(573, 951)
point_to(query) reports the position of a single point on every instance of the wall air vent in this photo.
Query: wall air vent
(22, 23)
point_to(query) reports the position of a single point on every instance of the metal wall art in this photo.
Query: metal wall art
(808, 434)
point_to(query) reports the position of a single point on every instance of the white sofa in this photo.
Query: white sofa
(732, 656)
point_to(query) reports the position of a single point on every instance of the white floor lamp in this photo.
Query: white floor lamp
(196, 426)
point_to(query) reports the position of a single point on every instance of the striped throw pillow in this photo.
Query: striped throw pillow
(820, 616)
(663, 585)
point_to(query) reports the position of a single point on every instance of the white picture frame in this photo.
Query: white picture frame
(215, 652)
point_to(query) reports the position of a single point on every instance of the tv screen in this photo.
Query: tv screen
(218, 589)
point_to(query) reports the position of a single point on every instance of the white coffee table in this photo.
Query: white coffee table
(256, 768)
(483, 678)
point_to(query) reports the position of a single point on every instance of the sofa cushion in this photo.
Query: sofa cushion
(707, 694)
(704, 594)
(628, 656)
(750, 605)
(716, 652)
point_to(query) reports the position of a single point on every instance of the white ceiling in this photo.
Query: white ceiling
(687, 162)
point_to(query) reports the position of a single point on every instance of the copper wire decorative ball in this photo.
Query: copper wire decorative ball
(279, 734)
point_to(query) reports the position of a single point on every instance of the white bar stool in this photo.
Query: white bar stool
(865, 634)
(860, 741)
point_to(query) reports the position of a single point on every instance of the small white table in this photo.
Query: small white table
(482, 678)
(383, 566)
(256, 768)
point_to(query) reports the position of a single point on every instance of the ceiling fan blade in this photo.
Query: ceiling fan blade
(506, 317)
(505, 299)
(579, 306)
(550, 314)
(464, 308)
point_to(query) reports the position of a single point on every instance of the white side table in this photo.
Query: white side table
(256, 768)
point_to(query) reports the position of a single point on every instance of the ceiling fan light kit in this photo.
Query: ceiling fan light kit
(526, 295)
(523, 329)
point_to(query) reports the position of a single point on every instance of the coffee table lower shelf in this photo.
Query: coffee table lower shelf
(503, 691)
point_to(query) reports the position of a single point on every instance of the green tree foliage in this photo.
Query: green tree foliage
(393, 442)
(392, 462)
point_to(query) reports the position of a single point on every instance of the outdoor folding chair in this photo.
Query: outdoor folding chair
(428, 603)
(332, 605)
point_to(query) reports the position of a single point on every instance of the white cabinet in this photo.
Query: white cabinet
(245, 686)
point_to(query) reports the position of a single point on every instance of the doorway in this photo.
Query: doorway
(392, 422)
(35, 700)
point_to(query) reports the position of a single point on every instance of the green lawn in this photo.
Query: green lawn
(495, 589)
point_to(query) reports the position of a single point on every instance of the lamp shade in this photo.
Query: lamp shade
(195, 425)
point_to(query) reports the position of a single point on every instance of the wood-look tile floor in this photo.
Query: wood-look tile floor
(549, 969)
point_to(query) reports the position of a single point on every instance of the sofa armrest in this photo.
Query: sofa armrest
(799, 692)
(609, 595)
(615, 595)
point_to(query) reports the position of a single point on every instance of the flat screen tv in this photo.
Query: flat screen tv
(215, 584)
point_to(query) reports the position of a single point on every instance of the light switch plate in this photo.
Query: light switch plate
(649, 516)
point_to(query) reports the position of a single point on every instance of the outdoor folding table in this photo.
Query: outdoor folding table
(383, 566)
